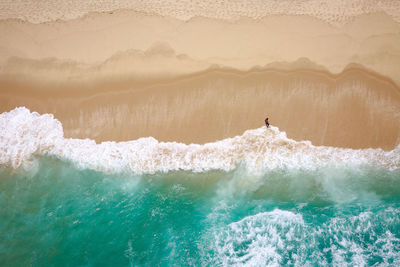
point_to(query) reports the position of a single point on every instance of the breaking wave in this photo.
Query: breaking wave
(25, 134)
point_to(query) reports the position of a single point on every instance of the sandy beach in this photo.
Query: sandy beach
(127, 74)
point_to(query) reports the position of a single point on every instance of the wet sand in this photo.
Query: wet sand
(355, 109)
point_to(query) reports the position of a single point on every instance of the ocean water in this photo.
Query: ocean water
(259, 199)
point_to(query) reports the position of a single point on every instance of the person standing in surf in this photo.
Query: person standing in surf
(266, 122)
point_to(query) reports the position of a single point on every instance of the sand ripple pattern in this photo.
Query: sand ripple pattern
(335, 12)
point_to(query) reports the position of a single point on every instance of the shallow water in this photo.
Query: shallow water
(56, 214)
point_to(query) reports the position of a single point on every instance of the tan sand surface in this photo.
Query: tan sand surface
(371, 40)
(335, 12)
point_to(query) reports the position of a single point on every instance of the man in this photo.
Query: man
(266, 122)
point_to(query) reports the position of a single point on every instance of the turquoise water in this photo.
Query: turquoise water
(58, 215)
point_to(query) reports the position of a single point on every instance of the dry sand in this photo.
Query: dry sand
(124, 75)
(371, 40)
(335, 12)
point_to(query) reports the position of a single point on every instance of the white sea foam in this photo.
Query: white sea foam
(259, 239)
(24, 135)
(271, 238)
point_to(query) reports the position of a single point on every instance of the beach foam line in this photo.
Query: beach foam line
(25, 134)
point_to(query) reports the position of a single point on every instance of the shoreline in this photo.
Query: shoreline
(27, 134)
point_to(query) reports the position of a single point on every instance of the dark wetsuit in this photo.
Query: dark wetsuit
(266, 122)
